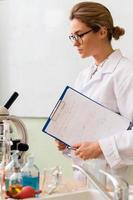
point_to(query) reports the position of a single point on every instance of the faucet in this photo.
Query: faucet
(120, 185)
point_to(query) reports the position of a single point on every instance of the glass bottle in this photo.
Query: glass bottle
(16, 177)
(30, 174)
(9, 168)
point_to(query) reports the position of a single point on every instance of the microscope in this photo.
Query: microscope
(13, 133)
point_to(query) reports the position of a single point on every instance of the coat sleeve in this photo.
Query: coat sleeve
(118, 149)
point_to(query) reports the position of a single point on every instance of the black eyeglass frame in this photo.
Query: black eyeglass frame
(76, 37)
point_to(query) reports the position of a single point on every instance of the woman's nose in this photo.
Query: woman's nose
(76, 43)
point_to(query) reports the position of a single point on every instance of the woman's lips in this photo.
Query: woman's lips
(80, 51)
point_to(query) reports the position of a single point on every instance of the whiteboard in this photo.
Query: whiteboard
(36, 57)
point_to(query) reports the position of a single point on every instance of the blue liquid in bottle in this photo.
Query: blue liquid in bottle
(30, 174)
(31, 181)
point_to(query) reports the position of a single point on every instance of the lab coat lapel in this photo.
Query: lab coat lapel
(109, 65)
(112, 62)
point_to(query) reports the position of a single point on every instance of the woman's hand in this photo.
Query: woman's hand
(87, 150)
(60, 145)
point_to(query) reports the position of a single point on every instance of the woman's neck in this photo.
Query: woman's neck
(102, 55)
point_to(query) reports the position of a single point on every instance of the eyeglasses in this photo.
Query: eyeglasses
(78, 37)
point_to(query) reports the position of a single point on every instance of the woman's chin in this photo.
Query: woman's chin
(83, 56)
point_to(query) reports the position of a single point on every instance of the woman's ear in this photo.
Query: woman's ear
(103, 32)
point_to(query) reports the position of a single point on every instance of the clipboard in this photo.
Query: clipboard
(76, 118)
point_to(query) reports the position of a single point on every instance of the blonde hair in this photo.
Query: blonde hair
(96, 15)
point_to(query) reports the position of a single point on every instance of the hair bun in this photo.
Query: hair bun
(117, 32)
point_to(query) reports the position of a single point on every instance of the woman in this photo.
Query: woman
(107, 80)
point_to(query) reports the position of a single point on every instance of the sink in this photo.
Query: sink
(90, 194)
(78, 195)
(84, 194)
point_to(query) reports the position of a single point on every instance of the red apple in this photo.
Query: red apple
(26, 192)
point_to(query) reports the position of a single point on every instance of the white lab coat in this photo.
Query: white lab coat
(112, 86)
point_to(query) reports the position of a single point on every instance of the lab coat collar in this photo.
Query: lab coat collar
(112, 61)
(109, 65)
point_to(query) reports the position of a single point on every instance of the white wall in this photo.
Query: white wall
(36, 57)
